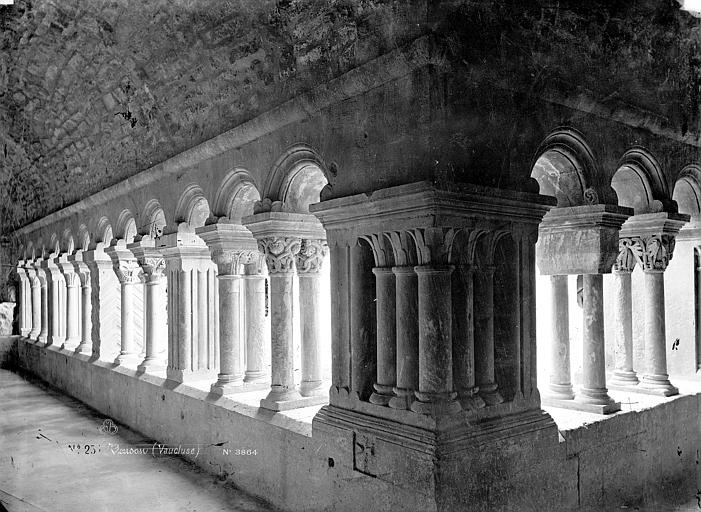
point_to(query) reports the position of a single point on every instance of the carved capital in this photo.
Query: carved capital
(154, 267)
(72, 279)
(85, 278)
(627, 255)
(128, 272)
(311, 256)
(230, 261)
(279, 252)
(653, 252)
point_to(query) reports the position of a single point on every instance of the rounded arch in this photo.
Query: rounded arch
(565, 168)
(687, 191)
(639, 183)
(68, 242)
(126, 226)
(236, 196)
(54, 244)
(103, 231)
(152, 219)
(297, 178)
(83, 238)
(192, 207)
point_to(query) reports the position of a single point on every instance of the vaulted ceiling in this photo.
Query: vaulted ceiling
(93, 91)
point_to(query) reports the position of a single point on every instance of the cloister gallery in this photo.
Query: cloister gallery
(436, 256)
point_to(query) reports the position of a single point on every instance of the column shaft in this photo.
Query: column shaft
(310, 326)
(127, 353)
(44, 333)
(85, 346)
(560, 379)
(435, 394)
(623, 375)
(231, 365)
(36, 308)
(593, 390)
(484, 336)
(386, 297)
(655, 377)
(407, 328)
(72, 312)
(255, 328)
(154, 322)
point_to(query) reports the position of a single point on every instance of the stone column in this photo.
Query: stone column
(407, 327)
(44, 280)
(152, 265)
(256, 330)
(309, 262)
(129, 274)
(106, 304)
(593, 391)
(231, 247)
(280, 254)
(656, 252)
(55, 282)
(36, 304)
(386, 295)
(24, 304)
(484, 335)
(623, 375)
(85, 346)
(560, 380)
(435, 394)
(72, 307)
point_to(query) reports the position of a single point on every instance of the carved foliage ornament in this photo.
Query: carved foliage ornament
(128, 272)
(72, 280)
(229, 261)
(279, 252)
(628, 254)
(311, 255)
(653, 252)
(154, 267)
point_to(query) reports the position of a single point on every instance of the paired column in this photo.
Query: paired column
(56, 311)
(280, 253)
(44, 277)
(624, 375)
(72, 306)
(25, 302)
(593, 391)
(129, 274)
(257, 334)
(85, 346)
(309, 262)
(656, 251)
(155, 327)
(106, 300)
(560, 386)
(36, 303)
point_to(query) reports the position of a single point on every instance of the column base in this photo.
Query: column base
(42, 339)
(577, 405)
(84, 349)
(255, 376)
(623, 380)
(70, 345)
(152, 365)
(402, 399)
(597, 400)
(312, 388)
(282, 399)
(24, 332)
(184, 376)
(226, 384)
(56, 341)
(33, 335)
(382, 394)
(560, 391)
(490, 395)
(470, 400)
(657, 385)
(436, 404)
(126, 360)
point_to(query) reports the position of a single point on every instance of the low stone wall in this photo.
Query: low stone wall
(628, 459)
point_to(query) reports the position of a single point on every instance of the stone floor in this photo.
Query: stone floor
(57, 454)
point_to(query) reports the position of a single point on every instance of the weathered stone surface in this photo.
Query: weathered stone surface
(7, 316)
